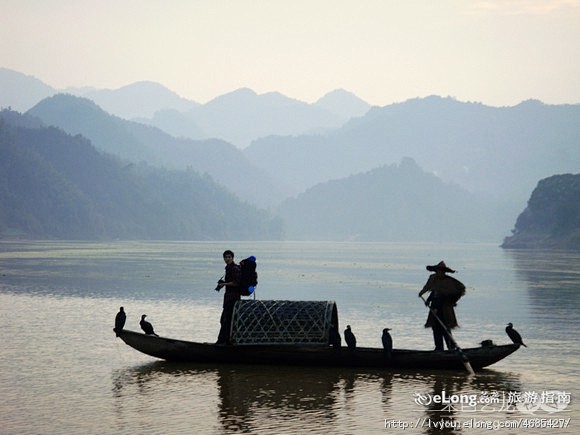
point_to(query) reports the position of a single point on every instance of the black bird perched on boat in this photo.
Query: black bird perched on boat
(334, 337)
(514, 335)
(120, 319)
(146, 326)
(387, 341)
(349, 338)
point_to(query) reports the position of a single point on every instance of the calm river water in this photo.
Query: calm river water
(62, 370)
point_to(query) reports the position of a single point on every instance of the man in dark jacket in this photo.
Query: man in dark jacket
(231, 282)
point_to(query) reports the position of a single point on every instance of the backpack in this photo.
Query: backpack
(249, 276)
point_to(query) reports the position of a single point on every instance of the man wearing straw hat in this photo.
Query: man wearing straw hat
(445, 292)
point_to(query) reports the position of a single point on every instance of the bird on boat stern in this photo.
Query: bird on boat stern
(120, 319)
(514, 335)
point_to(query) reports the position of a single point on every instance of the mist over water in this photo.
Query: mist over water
(62, 370)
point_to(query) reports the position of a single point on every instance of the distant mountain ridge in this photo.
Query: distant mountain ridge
(490, 158)
(344, 104)
(20, 92)
(139, 100)
(238, 117)
(53, 185)
(242, 115)
(398, 203)
(136, 142)
(499, 151)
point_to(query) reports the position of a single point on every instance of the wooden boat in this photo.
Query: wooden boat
(302, 333)
(363, 357)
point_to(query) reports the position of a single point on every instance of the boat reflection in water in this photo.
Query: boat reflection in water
(248, 398)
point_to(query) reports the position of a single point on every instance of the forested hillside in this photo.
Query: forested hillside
(53, 185)
(552, 217)
(502, 151)
(345, 183)
(142, 143)
(397, 202)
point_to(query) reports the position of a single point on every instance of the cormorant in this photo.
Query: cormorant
(146, 326)
(120, 319)
(387, 341)
(514, 335)
(349, 338)
(334, 337)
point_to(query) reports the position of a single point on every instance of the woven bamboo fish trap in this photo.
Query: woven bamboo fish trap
(283, 322)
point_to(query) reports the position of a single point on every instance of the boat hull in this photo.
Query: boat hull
(185, 351)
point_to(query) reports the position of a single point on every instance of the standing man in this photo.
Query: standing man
(445, 292)
(231, 282)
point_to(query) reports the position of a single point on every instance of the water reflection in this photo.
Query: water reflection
(247, 392)
(441, 418)
(548, 269)
(244, 393)
(245, 398)
(552, 279)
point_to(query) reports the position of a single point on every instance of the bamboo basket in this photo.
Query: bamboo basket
(283, 322)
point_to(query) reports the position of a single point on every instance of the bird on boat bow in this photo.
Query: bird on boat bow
(514, 335)
(120, 319)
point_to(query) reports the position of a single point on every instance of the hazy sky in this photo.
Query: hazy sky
(498, 52)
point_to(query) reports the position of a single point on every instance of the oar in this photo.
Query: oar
(462, 355)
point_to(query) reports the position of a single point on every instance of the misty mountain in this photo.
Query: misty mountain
(552, 216)
(343, 104)
(241, 116)
(53, 185)
(175, 123)
(237, 117)
(499, 151)
(21, 92)
(139, 100)
(395, 203)
(136, 142)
